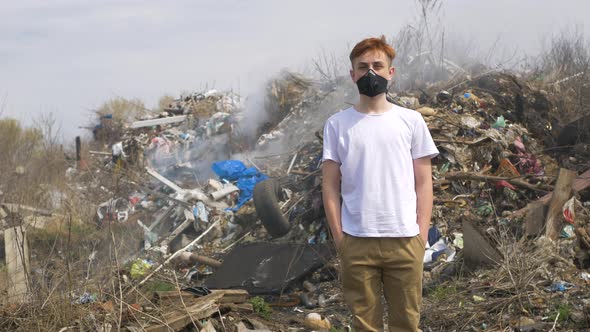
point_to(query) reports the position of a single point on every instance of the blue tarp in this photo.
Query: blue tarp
(247, 178)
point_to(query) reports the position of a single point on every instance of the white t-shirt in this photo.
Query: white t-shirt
(375, 153)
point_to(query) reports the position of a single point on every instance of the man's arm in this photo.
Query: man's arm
(331, 198)
(424, 196)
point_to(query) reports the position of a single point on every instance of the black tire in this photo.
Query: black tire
(266, 202)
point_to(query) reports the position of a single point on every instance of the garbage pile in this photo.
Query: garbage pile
(494, 180)
(502, 202)
(492, 131)
(171, 177)
(228, 213)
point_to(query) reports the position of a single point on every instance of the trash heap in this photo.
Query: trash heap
(232, 217)
(491, 181)
(170, 184)
(505, 210)
(495, 216)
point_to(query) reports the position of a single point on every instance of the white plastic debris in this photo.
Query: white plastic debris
(437, 249)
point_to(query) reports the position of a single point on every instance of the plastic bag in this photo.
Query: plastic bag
(568, 210)
(229, 169)
(247, 178)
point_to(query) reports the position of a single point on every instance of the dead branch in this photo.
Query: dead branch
(515, 181)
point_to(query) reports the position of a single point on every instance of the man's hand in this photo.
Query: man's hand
(331, 198)
(424, 196)
(338, 237)
(424, 234)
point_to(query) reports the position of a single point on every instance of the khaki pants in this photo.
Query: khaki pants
(368, 264)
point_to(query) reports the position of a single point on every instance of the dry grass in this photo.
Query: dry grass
(165, 102)
(69, 256)
(495, 297)
(564, 68)
(32, 162)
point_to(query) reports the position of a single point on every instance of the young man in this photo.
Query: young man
(377, 158)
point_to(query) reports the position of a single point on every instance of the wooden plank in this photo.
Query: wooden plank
(535, 219)
(173, 297)
(583, 237)
(159, 121)
(24, 209)
(227, 296)
(243, 307)
(17, 263)
(164, 180)
(232, 295)
(201, 308)
(101, 153)
(562, 192)
(208, 327)
(180, 228)
(177, 321)
(580, 183)
(163, 216)
(477, 250)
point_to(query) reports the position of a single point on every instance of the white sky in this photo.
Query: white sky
(69, 56)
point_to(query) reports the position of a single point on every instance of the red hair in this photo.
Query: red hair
(373, 44)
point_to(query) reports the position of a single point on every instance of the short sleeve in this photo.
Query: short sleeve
(422, 143)
(330, 151)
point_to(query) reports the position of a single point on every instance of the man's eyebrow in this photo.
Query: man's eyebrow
(374, 62)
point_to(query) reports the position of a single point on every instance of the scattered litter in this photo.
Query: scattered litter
(561, 287)
(140, 267)
(316, 322)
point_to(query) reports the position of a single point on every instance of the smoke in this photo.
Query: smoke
(253, 114)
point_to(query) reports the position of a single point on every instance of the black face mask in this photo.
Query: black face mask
(371, 84)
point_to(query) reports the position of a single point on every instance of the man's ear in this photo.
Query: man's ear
(391, 71)
(352, 75)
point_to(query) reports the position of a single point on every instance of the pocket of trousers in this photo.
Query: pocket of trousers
(342, 245)
(422, 243)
